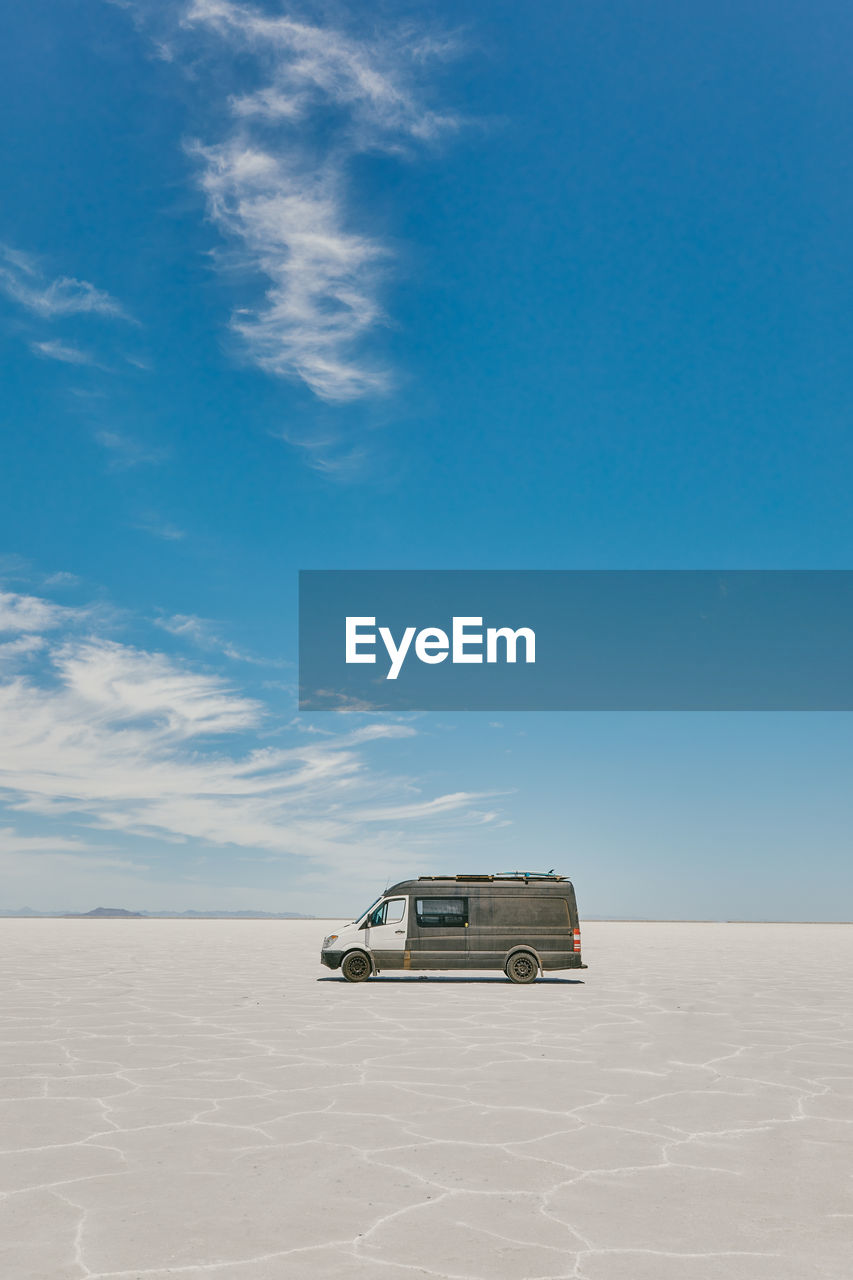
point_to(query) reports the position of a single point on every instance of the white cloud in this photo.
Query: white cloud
(113, 738)
(321, 298)
(55, 853)
(22, 280)
(31, 613)
(126, 453)
(120, 684)
(21, 650)
(12, 842)
(312, 65)
(451, 803)
(205, 634)
(284, 201)
(188, 625)
(159, 528)
(62, 351)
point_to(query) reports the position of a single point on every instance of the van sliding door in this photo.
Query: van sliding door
(438, 932)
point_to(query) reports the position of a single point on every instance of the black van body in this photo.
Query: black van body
(521, 923)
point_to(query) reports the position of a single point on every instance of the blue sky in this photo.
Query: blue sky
(408, 286)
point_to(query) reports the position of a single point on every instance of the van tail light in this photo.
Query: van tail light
(577, 937)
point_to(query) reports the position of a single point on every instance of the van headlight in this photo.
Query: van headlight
(327, 942)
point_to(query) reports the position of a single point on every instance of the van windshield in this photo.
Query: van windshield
(359, 919)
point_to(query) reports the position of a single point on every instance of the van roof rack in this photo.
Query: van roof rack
(500, 875)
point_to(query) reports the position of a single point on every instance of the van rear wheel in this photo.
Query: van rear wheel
(355, 967)
(522, 967)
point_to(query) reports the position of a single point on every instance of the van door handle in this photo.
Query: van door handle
(399, 930)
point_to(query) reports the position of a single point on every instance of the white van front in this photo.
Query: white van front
(379, 931)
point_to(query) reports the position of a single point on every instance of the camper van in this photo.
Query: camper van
(523, 923)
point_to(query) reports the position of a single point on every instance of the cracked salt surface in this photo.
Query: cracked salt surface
(201, 1099)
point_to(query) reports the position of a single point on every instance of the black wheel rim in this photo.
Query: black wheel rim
(523, 966)
(357, 966)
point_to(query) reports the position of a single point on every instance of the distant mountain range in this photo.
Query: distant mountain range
(120, 913)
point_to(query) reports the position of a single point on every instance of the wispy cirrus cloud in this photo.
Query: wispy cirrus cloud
(25, 613)
(327, 454)
(205, 634)
(322, 294)
(17, 852)
(116, 741)
(20, 651)
(126, 453)
(23, 280)
(157, 527)
(65, 352)
(277, 185)
(314, 64)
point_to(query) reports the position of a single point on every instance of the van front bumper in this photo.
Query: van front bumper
(331, 959)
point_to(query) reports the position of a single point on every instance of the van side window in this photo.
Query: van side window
(441, 913)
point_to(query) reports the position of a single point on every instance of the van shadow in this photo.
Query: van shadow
(429, 977)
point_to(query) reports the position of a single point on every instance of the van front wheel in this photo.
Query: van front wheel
(355, 967)
(521, 967)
